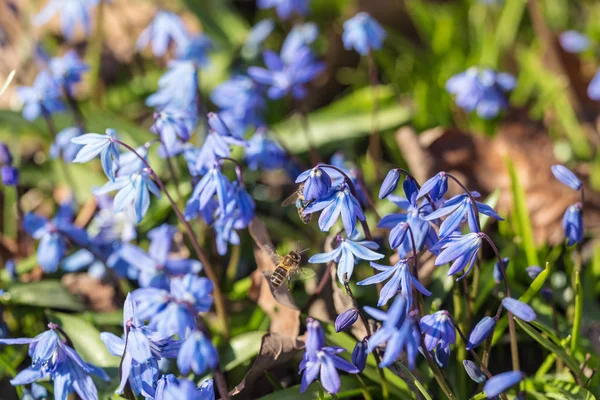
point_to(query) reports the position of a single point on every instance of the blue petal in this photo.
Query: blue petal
(501, 382)
(519, 309)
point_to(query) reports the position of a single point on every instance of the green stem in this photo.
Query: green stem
(461, 350)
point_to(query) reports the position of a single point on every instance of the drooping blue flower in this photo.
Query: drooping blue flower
(195, 49)
(498, 384)
(461, 249)
(53, 359)
(481, 90)
(264, 153)
(95, 144)
(316, 183)
(140, 351)
(211, 184)
(348, 253)
(359, 355)
(593, 90)
(572, 223)
(133, 193)
(480, 333)
(197, 353)
(177, 88)
(63, 147)
(287, 76)
(225, 233)
(340, 202)
(53, 236)
(323, 361)
(256, 37)
(67, 70)
(439, 335)
(457, 210)
(174, 126)
(164, 28)
(436, 187)
(242, 209)
(72, 13)
(498, 277)
(201, 161)
(301, 35)
(363, 34)
(400, 278)
(474, 371)
(346, 319)
(566, 177)
(390, 183)
(174, 312)
(41, 98)
(399, 330)
(574, 42)
(519, 309)
(285, 8)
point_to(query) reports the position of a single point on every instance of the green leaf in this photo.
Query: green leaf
(350, 388)
(47, 293)
(241, 348)
(558, 389)
(415, 381)
(536, 285)
(522, 214)
(553, 348)
(578, 312)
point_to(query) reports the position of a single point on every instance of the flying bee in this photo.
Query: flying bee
(297, 198)
(288, 267)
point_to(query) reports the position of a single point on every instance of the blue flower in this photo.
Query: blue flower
(399, 330)
(566, 177)
(201, 161)
(258, 34)
(10, 175)
(301, 35)
(52, 359)
(400, 279)
(177, 88)
(197, 353)
(458, 209)
(287, 76)
(264, 153)
(173, 126)
(390, 183)
(211, 184)
(316, 183)
(593, 90)
(572, 223)
(53, 236)
(346, 319)
(95, 144)
(243, 205)
(436, 187)
(340, 202)
(171, 388)
(71, 12)
(164, 27)
(225, 234)
(174, 312)
(519, 309)
(285, 8)
(64, 147)
(462, 250)
(195, 49)
(133, 193)
(480, 333)
(481, 90)
(347, 254)
(6, 157)
(37, 392)
(502, 382)
(359, 355)
(322, 360)
(439, 334)
(67, 70)
(141, 350)
(574, 42)
(241, 103)
(363, 34)
(42, 98)
(497, 272)
(474, 371)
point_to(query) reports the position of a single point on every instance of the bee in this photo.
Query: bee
(288, 267)
(297, 198)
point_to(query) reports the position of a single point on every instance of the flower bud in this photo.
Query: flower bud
(519, 309)
(501, 382)
(359, 355)
(533, 271)
(316, 184)
(480, 333)
(566, 177)
(390, 183)
(10, 175)
(474, 371)
(346, 319)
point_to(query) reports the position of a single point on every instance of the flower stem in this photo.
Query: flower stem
(461, 350)
(208, 268)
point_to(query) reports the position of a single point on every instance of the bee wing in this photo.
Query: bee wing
(290, 200)
(301, 273)
(270, 251)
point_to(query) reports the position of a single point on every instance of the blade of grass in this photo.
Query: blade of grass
(578, 313)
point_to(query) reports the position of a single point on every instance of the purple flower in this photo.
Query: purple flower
(566, 177)
(399, 330)
(481, 90)
(436, 187)
(348, 253)
(316, 183)
(474, 371)
(164, 27)
(67, 70)
(363, 34)
(285, 8)
(346, 319)
(498, 384)
(264, 153)
(572, 223)
(71, 12)
(94, 144)
(574, 42)
(593, 90)
(42, 98)
(480, 333)
(390, 183)
(458, 209)
(197, 353)
(340, 202)
(519, 309)
(359, 355)
(10, 175)
(439, 334)
(400, 279)
(462, 250)
(323, 361)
